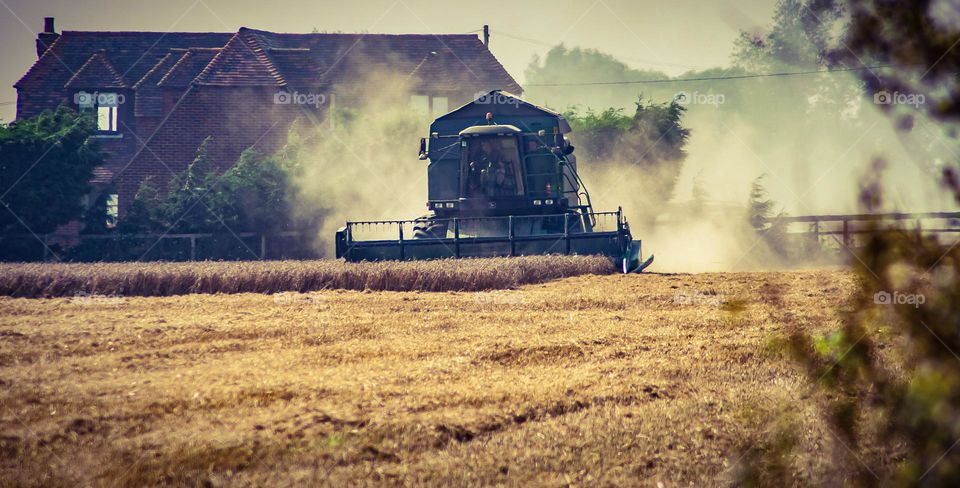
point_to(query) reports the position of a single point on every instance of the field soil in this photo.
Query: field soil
(589, 380)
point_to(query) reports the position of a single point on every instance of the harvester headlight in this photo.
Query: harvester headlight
(537, 202)
(548, 202)
(449, 204)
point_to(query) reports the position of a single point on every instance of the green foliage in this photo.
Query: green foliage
(651, 143)
(251, 196)
(596, 133)
(46, 163)
(145, 210)
(654, 135)
(186, 206)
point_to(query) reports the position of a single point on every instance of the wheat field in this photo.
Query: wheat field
(167, 278)
(588, 380)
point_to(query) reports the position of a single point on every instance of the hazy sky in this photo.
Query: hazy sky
(672, 36)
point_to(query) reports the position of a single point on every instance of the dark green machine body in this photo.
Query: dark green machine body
(502, 181)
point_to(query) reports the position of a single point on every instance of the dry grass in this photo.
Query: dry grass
(165, 279)
(591, 380)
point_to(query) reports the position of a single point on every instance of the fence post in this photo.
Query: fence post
(846, 233)
(400, 224)
(193, 248)
(263, 247)
(513, 244)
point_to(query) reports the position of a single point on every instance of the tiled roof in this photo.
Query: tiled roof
(149, 96)
(435, 71)
(190, 64)
(159, 70)
(97, 72)
(147, 60)
(263, 58)
(242, 62)
(132, 54)
(299, 68)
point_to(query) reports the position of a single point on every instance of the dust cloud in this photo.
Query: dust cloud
(360, 163)
(812, 151)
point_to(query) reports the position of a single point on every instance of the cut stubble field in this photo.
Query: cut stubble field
(594, 380)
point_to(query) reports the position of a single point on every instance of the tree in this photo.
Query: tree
(917, 37)
(46, 164)
(762, 213)
(576, 65)
(252, 196)
(184, 208)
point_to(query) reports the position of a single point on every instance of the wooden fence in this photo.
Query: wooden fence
(848, 226)
(258, 251)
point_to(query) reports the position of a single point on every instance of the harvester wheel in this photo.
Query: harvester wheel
(429, 229)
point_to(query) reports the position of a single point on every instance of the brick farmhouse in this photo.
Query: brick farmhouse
(158, 95)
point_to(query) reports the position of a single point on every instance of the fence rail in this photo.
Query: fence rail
(846, 225)
(260, 249)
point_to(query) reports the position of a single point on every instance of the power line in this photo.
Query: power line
(711, 78)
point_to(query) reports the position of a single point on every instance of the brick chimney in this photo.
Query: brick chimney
(46, 38)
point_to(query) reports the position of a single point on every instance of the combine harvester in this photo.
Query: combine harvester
(502, 181)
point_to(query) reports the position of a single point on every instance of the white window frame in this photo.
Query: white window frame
(107, 119)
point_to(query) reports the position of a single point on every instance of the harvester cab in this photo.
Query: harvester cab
(502, 181)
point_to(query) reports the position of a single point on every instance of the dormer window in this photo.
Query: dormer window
(107, 107)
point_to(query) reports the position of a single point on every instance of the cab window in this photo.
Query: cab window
(492, 167)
